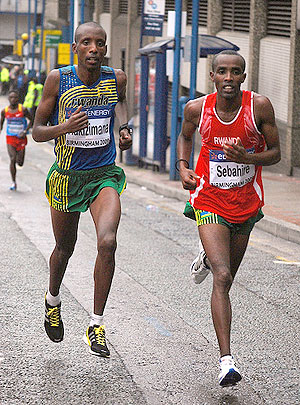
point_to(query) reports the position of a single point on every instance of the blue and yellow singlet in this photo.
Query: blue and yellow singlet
(95, 145)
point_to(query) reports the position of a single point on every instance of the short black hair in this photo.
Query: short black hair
(227, 52)
(90, 23)
(14, 91)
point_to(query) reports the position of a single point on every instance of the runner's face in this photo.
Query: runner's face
(228, 75)
(13, 99)
(91, 48)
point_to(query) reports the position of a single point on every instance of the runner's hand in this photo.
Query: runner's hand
(125, 140)
(235, 152)
(22, 135)
(77, 121)
(188, 178)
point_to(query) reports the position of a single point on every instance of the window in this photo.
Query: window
(169, 6)
(236, 15)
(106, 6)
(202, 18)
(279, 17)
(140, 6)
(63, 10)
(123, 6)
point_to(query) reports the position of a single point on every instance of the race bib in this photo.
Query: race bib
(15, 127)
(225, 174)
(96, 135)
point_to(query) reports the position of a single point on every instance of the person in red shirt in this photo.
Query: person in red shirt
(239, 136)
(16, 130)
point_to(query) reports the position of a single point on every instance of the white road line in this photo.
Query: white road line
(286, 262)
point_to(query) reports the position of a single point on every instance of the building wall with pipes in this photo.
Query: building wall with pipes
(268, 39)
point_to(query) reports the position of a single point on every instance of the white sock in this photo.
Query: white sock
(96, 319)
(52, 300)
(226, 357)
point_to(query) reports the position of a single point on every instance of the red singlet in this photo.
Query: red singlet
(16, 123)
(232, 190)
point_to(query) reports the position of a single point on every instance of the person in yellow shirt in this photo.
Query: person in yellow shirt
(33, 96)
(38, 91)
(4, 78)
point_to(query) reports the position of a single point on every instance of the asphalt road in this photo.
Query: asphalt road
(163, 346)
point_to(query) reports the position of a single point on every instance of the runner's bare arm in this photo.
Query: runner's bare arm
(29, 117)
(192, 113)
(265, 120)
(2, 119)
(43, 132)
(125, 140)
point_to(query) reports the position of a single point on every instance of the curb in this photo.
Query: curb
(157, 187)
(277, 227)
(280, 229)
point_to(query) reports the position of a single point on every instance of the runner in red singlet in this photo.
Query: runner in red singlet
(239, 136)
(16, 129)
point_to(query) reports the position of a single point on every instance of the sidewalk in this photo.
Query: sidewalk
(282, 198)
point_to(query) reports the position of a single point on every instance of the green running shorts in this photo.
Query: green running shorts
(205, 217)
(75, 190)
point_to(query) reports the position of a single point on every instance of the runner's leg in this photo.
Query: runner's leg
(12, 153)
(238, 246)
(225, 254)
(106, 212)
(20, 157)
(65, 226)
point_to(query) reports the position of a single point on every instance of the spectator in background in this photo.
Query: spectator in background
(4, 77)
(38, 91)
(33, 96)
(43, 76)
(24, 87)
(13, 74)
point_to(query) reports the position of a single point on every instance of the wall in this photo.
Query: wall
(105, 21)
(118, 39)
(267, 62)
(274, 73)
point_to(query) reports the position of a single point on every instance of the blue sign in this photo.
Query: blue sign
(153, 17)
(152, 25)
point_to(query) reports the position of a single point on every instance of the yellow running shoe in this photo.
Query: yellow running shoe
(53, 323)
(95, 338)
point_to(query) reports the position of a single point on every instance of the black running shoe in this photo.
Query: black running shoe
(54, 326)
(95, 338)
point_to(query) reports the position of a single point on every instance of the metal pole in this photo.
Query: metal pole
(194, 60)
(71, 30)
(33, 39)
(144, 105)
(194, 49)
(16, 20)
(141, 33)
(28, 31)
(41, 39)
(175, 90)
(82, 12)
(76, 15)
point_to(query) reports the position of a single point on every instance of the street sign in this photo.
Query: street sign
(153, 17)
(52, 40)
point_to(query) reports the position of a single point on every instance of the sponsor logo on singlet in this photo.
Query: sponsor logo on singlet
(90, 113)
(226, 174)
(89, 101)
(219, 140)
